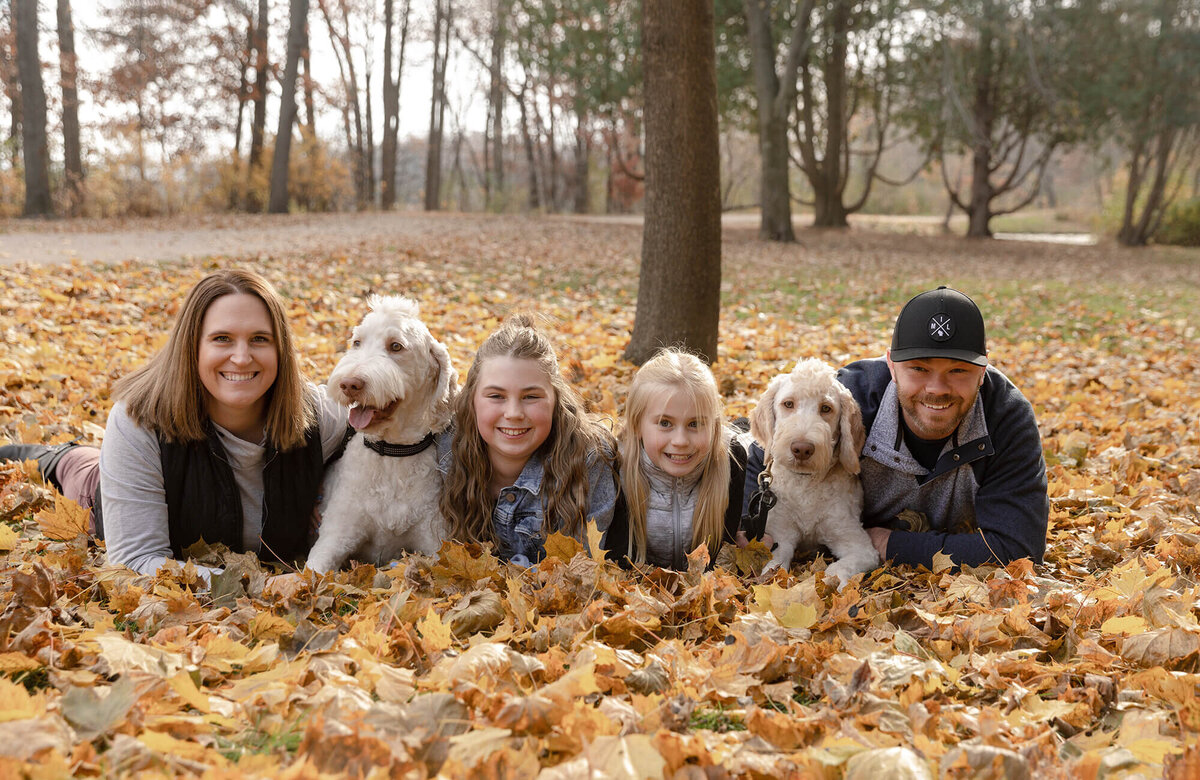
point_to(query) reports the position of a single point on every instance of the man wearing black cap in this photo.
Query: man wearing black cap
(953, 460)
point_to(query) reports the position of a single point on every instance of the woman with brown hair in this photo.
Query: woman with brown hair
(218, 437)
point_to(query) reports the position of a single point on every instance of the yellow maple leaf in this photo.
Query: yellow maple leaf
(435, 635)
(16, 703)
(794, 607)
(470, 563)
(9, 538)
(1130, 624)
(561, 546)
(66, 521)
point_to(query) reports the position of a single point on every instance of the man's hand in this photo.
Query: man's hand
(767, 541)
(879, 538)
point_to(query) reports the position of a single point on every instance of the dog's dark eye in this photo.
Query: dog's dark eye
(356, 343)
(826, 409)
(789, 404)
(396, 346)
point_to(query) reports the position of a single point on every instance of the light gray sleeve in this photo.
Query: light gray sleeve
(135, 502)
(333, 418)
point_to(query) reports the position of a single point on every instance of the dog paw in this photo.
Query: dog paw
(321, 564)
(844, 572)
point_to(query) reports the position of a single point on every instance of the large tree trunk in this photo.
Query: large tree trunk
(243, 93)
(258, 120)
(437, 108)
(33, 112)
(582, 150)
(296, 43)
(497, 94)
(531, 164)
(72, 149)
(261, 69)
(679, 290)
(828, 180)
(775, 97)
(391, 100)
(979, 214)
(983, 111)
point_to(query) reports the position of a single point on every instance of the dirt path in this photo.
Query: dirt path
(159, 240)
(249, 236)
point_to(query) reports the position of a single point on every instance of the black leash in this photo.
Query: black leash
(760, 505)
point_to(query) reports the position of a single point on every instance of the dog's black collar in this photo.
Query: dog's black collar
(399, 450)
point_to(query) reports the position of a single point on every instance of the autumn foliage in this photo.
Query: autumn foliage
(459, 665)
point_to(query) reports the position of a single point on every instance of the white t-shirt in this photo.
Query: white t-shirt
(136, 531)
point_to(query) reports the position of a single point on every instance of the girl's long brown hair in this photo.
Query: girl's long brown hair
(675, 371)
(575, 437)
(166, 396)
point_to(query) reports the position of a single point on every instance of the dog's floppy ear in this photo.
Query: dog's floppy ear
(852, 434)
(446, 385)
(762, 418)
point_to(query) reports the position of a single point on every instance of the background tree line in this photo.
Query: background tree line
(837, 106)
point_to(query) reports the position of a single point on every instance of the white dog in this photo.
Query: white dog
(811, 430)
(381, 496)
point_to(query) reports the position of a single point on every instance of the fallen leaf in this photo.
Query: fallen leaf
(435, 634)
(96, 711)
(66, 521)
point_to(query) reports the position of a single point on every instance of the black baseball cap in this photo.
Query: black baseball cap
(941, 323)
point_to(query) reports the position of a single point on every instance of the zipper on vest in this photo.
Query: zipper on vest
(676, 524)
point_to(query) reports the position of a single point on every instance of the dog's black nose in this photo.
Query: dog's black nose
(802, 450)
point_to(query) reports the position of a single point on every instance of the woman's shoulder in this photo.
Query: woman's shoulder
(121, 422)
(125, 439)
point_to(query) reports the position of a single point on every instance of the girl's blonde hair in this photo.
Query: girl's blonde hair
(575, 437)
(166, 395)
(675, 371)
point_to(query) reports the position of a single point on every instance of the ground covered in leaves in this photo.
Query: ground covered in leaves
(458, 665)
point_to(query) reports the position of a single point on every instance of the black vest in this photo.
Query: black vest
(203, 501)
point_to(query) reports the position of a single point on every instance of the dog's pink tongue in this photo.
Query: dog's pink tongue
(361, 416)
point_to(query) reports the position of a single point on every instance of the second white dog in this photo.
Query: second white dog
(811, 430)
(381, 496)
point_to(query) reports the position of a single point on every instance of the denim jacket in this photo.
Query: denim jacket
(518, 519)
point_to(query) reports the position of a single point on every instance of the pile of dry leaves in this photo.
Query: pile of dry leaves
(459, 665)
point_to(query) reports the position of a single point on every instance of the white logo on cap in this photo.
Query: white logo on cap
(941, 327)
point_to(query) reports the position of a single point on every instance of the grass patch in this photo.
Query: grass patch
(34, 680)
(262, 742)
(717, 719)
(1039, 221)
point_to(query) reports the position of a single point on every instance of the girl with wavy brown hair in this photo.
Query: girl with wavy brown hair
(526, 459)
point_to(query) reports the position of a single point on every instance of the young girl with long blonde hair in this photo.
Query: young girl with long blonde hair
(681, 470)
(526, 458)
